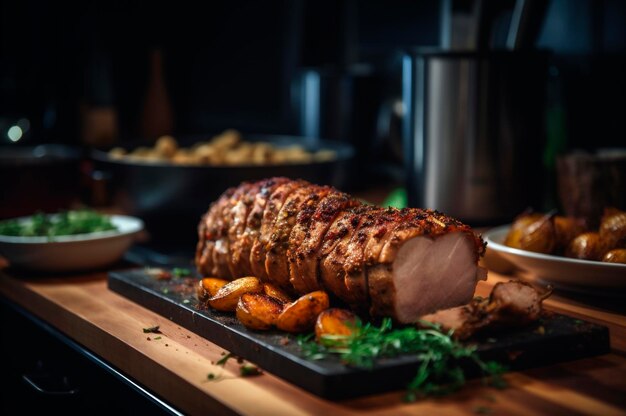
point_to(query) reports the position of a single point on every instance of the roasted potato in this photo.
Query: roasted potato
(227, 148)
(276, 293)
(586, 246)
(613, 229)
(300, 316)
(258, 311)
(566, 229)
(208, 287)
(335, 321)
(533, 232)
(617, 255)
(166, 146)
(226, 298)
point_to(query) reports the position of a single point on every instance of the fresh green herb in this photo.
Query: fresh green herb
(211, 376)
(157, 338)
(181, 272)
(439, 354)
(152, 329)
(64, 223)
(248, 370)
(222, 361)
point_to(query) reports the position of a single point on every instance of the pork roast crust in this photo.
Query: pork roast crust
(304, 258)
(272, 208)
(303, 237)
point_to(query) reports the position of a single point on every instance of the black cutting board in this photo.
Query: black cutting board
(555, 338)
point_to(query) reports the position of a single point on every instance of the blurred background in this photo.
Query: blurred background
(103, 74)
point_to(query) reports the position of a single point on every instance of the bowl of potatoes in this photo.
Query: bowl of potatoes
(172, 182)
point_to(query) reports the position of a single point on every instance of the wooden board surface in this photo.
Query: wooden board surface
(560, 338)
(176, 366)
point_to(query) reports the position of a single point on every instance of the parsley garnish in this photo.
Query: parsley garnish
(152, 329)
(63, 223)
(181, 272)
(222, 361)
(247, 370)
(439, 354)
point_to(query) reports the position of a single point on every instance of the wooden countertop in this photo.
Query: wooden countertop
(176, 366)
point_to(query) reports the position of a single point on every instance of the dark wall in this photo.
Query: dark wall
(232, 63)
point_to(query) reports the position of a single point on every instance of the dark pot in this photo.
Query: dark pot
(171, 198)
(41, 178)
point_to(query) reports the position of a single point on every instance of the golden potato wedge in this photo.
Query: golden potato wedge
(335, 321)
(226, 298)
(213, 284)
(532, 232)
(587, 246)
(258, 311)
(617, 255)
(276, 293)
(300, 316)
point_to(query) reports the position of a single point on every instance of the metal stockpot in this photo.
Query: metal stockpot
(474, 132)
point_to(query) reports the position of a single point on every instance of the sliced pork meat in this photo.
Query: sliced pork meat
(303, 237)
(510, 304)
(276, 262)
(272, 208)
(333, 258)
(210, 229)
(242, 249)
(304, 258)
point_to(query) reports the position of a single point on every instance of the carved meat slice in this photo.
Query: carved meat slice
(304, 258)
(256, 202)
(333, 253)
(510, 304)
(273, 206)
(276, 262)
(209, 233)
(430, 262)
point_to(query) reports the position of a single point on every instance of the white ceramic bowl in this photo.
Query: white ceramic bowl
(561, 271)
(72, 252)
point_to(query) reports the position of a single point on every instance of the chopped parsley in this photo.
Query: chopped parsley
(181, 272)
(222, 361)
(152, 329)
(439, 354)
(63, 223)
(248, 370)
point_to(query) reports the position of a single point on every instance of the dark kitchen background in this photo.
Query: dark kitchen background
(100, 73)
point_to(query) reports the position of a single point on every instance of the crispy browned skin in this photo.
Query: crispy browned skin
(304, 258)
(238, 265)
(272, 208)
(333, 253)
(243, 247)
(300, 232)
(209, 231)
(302, 237)
(276, 262)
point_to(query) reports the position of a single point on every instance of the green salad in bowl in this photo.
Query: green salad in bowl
(67, 241)
(64, 223)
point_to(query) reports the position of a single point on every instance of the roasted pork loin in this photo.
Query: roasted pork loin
(303, 237)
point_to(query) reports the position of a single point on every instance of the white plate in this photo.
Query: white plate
(562, 271)
(72, 252)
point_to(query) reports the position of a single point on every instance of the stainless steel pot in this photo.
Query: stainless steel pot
(474, 132)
